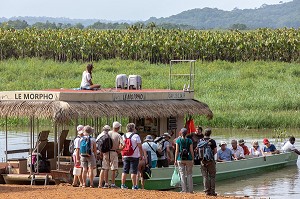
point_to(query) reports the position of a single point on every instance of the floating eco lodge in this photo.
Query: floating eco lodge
(154, 111)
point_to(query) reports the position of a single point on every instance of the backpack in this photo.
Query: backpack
(184, 153)
(85, 147)
(128, 150)
(147, 174)
(160, 149)
(105, 143)
(71, 145)
(204, 150)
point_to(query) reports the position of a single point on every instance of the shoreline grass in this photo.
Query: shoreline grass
(253, 94)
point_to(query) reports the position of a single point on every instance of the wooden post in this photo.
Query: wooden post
(58, 148)
(55, 143)
(30, 149)
(6, 139)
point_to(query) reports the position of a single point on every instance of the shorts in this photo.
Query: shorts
(162, 163)
(110, 161)
(130, 163)
(88, 161)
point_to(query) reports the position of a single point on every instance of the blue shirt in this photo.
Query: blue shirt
(224, 155)
(272, 148)
(184, 144)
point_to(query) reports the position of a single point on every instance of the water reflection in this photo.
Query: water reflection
(283, 183)
(275, 184)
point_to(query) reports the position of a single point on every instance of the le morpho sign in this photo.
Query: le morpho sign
(34, 96)
(28, 96)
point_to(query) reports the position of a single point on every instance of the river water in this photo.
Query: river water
(284, 183)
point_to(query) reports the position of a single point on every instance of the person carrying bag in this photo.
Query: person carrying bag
(184, 156)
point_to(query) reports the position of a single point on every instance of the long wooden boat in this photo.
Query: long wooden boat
(26, 179)
(161, 177)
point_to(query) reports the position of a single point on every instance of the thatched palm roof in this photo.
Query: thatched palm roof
(61, 111)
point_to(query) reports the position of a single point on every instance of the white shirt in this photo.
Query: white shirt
(146, 147)
(135, 139)
(255, 152)
(288, 147)
(76, 144)
(239, 152)
(86, 77)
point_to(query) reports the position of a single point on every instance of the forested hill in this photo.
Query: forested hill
(273, 16)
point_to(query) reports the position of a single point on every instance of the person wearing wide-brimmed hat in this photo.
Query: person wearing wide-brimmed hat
(88, 163)
(76, 155)
(243, 145)
(151, 146)
(149, 149)
(255, 150)
(225, 154)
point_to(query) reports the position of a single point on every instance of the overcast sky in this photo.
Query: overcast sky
(118, 9)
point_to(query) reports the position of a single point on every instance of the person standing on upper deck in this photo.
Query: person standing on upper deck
(86, 82)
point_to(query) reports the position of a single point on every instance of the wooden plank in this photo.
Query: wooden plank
(16, 151)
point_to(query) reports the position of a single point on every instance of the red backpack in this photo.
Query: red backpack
(128, 150)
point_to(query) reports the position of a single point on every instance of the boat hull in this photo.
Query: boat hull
(161, 177)
(25, 179)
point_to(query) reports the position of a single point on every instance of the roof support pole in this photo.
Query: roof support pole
(58, 147)
(31, 146)
(6, 139)
(55, 145)
(37, 145)
(76, 124)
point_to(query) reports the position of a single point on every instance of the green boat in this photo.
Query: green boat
(161, 177)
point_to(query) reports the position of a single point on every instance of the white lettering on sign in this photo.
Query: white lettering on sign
(34, 96)
(177, 95)
(133, 96)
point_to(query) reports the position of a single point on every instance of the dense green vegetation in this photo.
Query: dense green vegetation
(271, 16)
(22, 24)
(153, 45)
(241, 95)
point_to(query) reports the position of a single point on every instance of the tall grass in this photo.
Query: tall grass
(241, 94)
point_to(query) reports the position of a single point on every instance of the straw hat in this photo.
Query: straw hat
(80, 129)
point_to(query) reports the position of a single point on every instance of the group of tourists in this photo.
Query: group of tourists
(107, 147)
(240, 151)
(197, 148)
